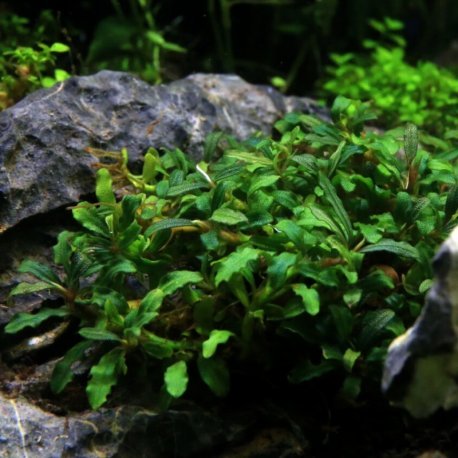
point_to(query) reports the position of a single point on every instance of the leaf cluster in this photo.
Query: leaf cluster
(26, 62)
(423, 94)
(306, 253)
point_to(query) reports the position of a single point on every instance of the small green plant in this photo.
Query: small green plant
(131, 41)
(423, 94)
(25, 68)
(308, 253)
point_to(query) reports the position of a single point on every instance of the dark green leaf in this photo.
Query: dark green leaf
(40, 271)
(184, 188)
(307, 371)
(178, 279)
(62, 374)
(374, 323)
(29, 288)
(451, 204)
(23, 320)
(215, 374)
(168, 223)
(410, 142)
(278, 268)
(403, 249)
(341, 214)
(98, 334)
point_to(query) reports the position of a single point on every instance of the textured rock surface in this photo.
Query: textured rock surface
(43, 164)
(134, 432)
(421, 368)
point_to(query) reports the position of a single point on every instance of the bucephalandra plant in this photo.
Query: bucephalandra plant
(309, 251)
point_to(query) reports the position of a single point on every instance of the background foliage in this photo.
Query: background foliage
(258, 39)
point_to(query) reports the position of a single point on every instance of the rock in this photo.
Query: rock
(129, 431)
(421, 367)
(43, 163)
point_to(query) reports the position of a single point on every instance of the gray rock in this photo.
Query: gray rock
(421, 367)
(43, 163)
(27, 431)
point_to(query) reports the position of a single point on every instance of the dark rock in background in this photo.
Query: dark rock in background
(43, 163)
(43, 169)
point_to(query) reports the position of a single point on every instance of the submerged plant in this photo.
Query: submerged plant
(305, 254)
(26, 62)
(424, 94)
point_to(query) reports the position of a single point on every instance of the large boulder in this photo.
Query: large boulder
(43, 162)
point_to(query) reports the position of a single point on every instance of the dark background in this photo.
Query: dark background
(287, 38)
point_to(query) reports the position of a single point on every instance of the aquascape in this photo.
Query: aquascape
(421, 368)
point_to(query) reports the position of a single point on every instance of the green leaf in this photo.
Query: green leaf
(63, 249)
(59, 47)
(184, 188)
(374, 323)
(306, 371)
(168, 223)
(351, 387)
(249, 157)
(342, 216)
(104, 187)
(228, 216)
(23, 320)
(215, 374)
(40, 271)
(324, 219)
(403, 249)
(88, 217)
(343, 321)
(217, 336)
(151, 163)
(178, 279)
(211, 144)
(119, 266)
(62, 374)
(307, 161)
(219, 195)
(372, 234)
(158, 348)
(210, 240)
(228, 172)
(278, 268)
(29, 288)
(451, 204)
(152, 301)
(352, 297)
(410, 142)
(349, 358)
(310, 298)
(98, 334)
(293, 232)
(234, 263)
(104, 376)
(286, 199)
(262, 182)
(176, 379)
